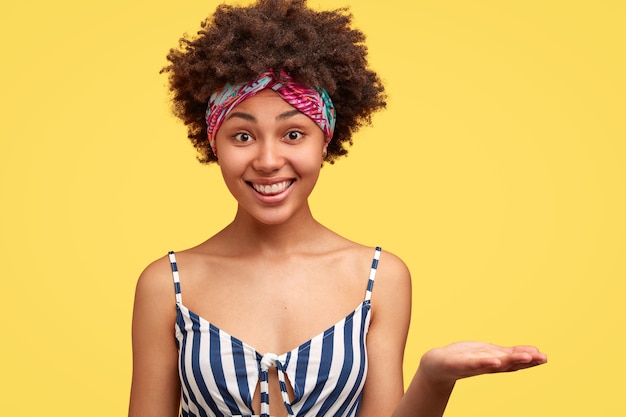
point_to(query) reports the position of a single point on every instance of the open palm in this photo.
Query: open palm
(465, 359)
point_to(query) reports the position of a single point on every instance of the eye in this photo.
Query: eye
(294, 135)
(243, 137)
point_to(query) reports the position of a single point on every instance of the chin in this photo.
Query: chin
(273, 220)
(275, 216)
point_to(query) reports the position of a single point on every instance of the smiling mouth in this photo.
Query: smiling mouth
(271, 189)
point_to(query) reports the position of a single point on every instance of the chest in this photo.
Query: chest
(273, 308)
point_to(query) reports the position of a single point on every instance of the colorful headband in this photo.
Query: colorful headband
(312, 101)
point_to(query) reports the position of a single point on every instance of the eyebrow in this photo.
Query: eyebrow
(288, 114)
(249, 117)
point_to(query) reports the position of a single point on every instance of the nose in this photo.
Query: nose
(269, 157)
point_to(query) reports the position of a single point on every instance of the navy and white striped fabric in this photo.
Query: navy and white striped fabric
(219, 373)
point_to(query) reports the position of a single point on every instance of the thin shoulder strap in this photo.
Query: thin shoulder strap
(179, 298)
(370, 282)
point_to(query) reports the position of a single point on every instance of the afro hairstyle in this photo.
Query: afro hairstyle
(237, 43)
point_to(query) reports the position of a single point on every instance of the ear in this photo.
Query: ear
(325, 150)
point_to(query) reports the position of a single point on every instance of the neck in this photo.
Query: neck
(296, 234)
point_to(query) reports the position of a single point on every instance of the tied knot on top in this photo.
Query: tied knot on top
(268, 360)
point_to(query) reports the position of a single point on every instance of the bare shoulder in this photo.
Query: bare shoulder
(392, 273)
(154, 311)
(392, 281)
(155, 284)
(157, 277)
(391, 297)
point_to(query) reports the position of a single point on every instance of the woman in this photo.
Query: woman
(276, 314)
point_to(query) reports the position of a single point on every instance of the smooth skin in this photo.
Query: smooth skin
(275, 242)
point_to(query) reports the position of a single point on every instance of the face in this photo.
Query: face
(270, 155)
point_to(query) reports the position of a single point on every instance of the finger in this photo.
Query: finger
(530, 356)
(525, 348)
(521, 360)
(521, 366)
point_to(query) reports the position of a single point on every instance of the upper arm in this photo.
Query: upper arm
(155, 387)
(391, 310)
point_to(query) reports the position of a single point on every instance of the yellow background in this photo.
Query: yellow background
(497, 173)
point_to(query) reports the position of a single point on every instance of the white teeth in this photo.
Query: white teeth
(273, 188)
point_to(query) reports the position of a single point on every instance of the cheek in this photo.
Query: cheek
(231, 170)
(309, 166)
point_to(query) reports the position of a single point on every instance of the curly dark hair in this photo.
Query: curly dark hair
(235, 44)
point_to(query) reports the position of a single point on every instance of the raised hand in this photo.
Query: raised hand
(465, 359)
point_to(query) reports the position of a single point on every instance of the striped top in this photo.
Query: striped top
(219, 373)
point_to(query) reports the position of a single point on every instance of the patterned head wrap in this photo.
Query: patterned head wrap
(311, 101)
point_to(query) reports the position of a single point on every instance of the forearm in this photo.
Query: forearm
(424, 398)
(433, 382)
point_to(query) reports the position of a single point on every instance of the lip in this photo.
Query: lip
(271, 191)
